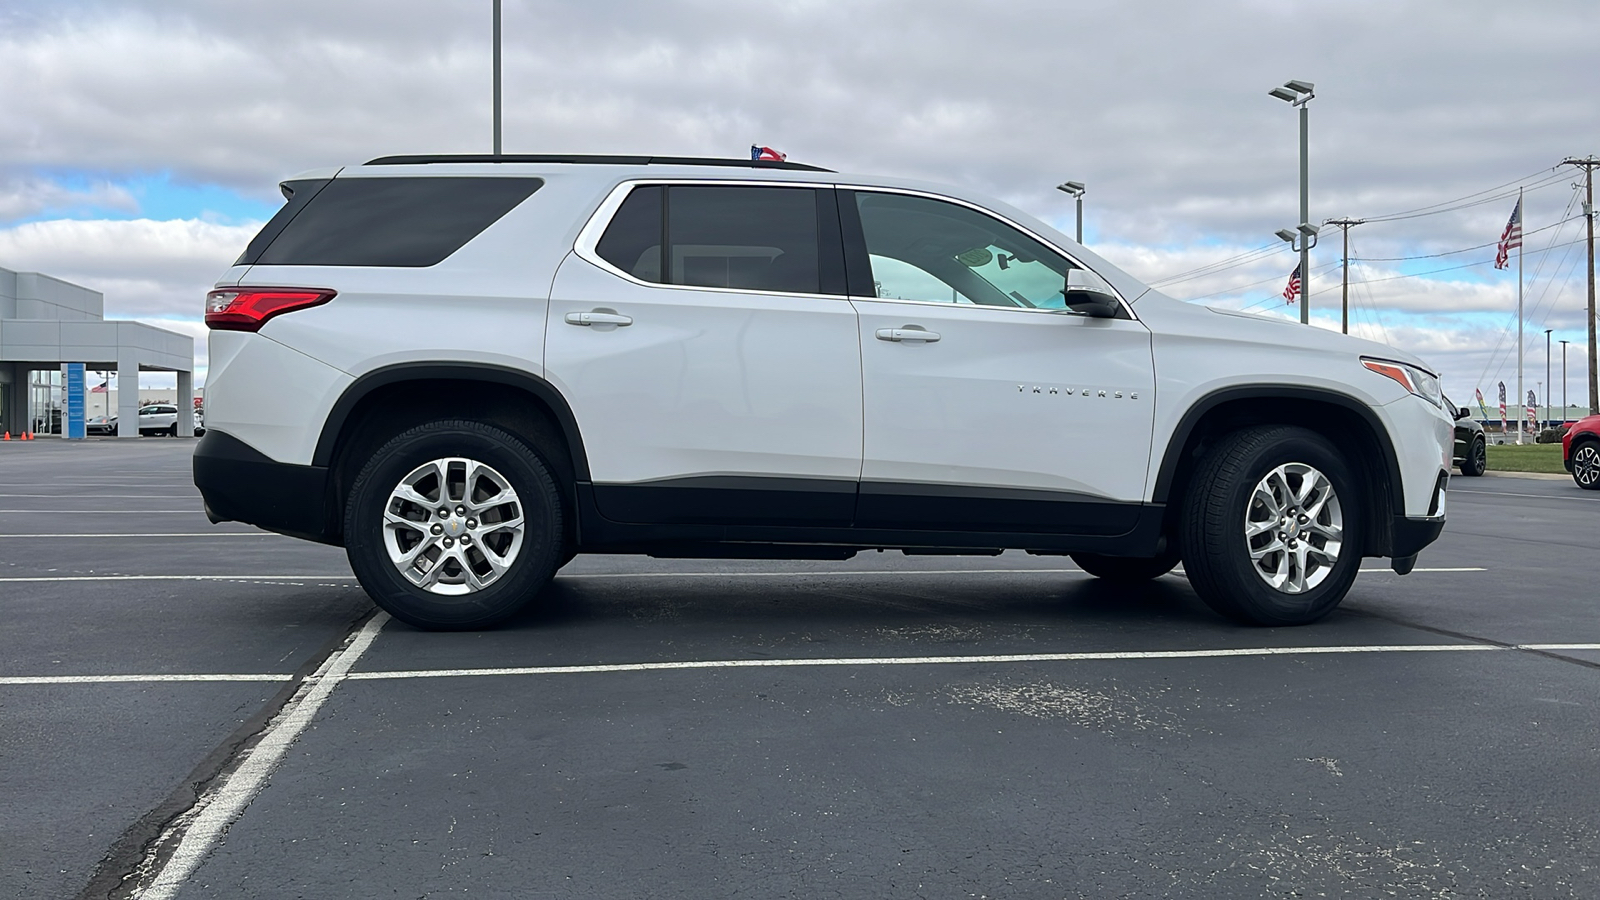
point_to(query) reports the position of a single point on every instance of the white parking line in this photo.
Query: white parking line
(921, 660)
(823, 662)
(990, 659)
(189, 534)
(132, 679)
(198, 830)
(1529, 496)
(55, 512)
(269, 578)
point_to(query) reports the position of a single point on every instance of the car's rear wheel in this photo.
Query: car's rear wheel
(454, 525)
(173, 431)
(1477, 461)
(1586, 465)
(1126, 569)
(1272, 527)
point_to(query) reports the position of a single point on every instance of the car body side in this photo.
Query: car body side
(471, 332)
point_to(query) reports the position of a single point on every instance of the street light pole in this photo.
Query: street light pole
(1076, 189)
(496, 77)
(1548, 411)
(1564, 406)
(1299, 93)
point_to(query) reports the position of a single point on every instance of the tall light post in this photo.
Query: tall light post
(1076, 189)
(496, 77)
(1299, 93)
(1548, 406)
(1564, 381)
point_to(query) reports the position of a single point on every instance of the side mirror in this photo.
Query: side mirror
(1095, 304)
(1463, 413)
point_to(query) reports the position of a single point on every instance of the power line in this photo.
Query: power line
(1468, 202)
(1238, 288)
(1264, 250)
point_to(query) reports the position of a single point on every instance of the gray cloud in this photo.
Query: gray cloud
(1160, 107)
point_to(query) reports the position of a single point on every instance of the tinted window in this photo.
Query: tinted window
(632, 241)
(298, 194)
(923, 249)
(391, 221)
(755, 238)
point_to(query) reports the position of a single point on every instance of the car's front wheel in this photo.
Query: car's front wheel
(1477, 461)
(1272, 527)
(454, 525)
(1586, 465)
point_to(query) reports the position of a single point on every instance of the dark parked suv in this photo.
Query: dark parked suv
(1471, 453)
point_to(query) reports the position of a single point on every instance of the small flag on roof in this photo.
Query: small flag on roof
(759, 152)
(1292, 289)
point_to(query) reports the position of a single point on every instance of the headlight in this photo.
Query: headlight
(1418, 381)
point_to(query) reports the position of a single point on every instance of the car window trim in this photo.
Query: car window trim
(850, 220)
(585, 247)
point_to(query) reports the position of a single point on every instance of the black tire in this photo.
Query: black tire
(528, 572)
(173, 431)
(1216, 551)
(1126, 569)
(1586, 465)
(1477, 461)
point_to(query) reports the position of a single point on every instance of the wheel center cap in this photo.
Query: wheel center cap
(454, 527)
(1292, 529)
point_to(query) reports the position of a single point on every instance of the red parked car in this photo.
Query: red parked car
(1580, 451)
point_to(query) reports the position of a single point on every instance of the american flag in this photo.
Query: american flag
(1292, 289)
(759, 152)
(1511, 238)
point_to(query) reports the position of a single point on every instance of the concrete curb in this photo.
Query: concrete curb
(1544, 476)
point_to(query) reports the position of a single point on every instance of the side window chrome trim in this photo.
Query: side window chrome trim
(585, 247)
(908, 192)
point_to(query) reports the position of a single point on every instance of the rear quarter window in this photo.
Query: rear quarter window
(398, 222)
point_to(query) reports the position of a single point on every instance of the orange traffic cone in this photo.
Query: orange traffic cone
(27, 436)
(8, 436)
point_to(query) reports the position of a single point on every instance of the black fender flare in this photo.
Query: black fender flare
(368, 382)
(1191, 418)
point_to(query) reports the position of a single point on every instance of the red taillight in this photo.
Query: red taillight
(247, 309)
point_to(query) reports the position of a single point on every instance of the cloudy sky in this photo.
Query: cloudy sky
(141, 142)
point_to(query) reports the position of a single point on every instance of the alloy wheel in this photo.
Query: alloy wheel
(453, 526)
(1586, 465)
(1293, 528)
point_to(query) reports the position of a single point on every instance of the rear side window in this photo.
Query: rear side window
(778, 239)
(402, 222)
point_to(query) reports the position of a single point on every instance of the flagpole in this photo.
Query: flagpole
(1521, 397)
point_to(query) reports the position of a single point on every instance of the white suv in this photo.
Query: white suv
(467, 369)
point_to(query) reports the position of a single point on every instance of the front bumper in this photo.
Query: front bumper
(240, 484)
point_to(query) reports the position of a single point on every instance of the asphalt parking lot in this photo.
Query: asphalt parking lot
(883, 727)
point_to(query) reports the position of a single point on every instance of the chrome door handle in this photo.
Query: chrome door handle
(907, 334)
(598, 318)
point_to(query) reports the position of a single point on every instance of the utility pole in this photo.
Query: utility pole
(1344, 288)
(496, 77)
(1587, 164)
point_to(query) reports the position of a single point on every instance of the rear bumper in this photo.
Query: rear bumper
(240, 484)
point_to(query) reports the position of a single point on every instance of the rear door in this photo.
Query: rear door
(702, 337)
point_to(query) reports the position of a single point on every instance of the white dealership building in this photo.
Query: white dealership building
(46, 323)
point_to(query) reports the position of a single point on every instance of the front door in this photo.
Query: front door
(988, 405)
(711, 359)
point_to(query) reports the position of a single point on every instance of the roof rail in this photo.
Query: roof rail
(583, 159)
